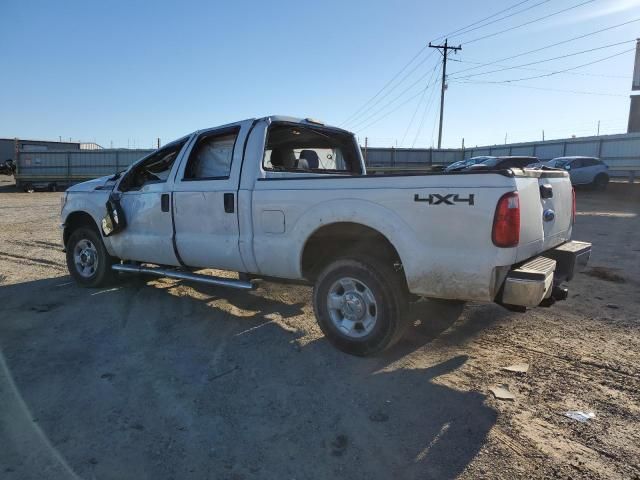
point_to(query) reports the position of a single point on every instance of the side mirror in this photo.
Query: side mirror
(567, 167)
(114, 221)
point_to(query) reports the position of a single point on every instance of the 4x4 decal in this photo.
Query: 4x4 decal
(448, 199)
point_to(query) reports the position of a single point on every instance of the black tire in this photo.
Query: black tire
(387, 287)
(600, 182)
(28, 188)
(102, 274)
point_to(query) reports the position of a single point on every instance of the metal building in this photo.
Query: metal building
(9, 147)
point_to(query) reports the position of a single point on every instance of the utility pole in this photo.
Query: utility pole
(598, 134)
(366, 144)
(444, 50)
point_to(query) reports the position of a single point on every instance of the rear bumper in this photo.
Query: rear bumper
(538, 280)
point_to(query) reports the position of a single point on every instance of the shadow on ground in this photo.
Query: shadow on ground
(147, 381)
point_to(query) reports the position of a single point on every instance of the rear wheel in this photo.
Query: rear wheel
(88, 261)
(600, 182)
(360, 304)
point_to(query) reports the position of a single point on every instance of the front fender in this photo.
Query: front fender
(93, 204)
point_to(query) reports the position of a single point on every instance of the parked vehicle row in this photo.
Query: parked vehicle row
(582, 170)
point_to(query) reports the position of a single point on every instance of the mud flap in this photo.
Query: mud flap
(114, 221)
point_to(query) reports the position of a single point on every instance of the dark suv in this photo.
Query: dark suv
(502, 163)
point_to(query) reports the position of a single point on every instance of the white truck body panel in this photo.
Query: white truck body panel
(446, 249)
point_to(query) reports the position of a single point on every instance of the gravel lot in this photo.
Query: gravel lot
(166, 379)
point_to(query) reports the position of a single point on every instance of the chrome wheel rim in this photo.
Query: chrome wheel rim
(352, 307)
(85, 257)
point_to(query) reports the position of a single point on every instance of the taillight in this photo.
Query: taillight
(506, 222)
(573, 206)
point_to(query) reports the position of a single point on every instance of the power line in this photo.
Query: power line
(586, 74)
(566, 69)
(360, 111)
(424, 115)
(355, 114)
(479, 21)
(389, 91)
(529, 22)
(581, 92)
(542, 61)
(552, 45)
(413, 117)
(503, 18)
(394, 110)
(417, 108)
(366, 119)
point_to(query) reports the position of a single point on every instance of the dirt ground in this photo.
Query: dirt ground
(166, 379)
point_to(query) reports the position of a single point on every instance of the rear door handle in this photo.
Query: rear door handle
(229, 206)
(164, 202)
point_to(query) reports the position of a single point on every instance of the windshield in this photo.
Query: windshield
(559, 163)
(490, 162)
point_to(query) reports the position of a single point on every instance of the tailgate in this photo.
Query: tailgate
(546, 210)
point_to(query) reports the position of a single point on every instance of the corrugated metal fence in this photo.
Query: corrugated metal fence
(410, 157)
(620, 152)
(67, 167)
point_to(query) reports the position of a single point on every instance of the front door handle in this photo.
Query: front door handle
(164, 202)
(229, 206)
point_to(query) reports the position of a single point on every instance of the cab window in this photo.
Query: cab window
(211, 156)
(155, 168)
(297, 148)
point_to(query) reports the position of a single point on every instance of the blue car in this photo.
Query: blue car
(583, 170)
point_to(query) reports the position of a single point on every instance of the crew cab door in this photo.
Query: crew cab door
(206, 200)
(145, 197)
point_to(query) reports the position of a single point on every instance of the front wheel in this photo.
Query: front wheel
(360, 305)
(88, 261)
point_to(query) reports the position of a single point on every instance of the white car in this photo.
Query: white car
(583, 170)
(279, 197)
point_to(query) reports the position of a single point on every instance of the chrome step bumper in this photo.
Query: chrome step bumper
(535, 281)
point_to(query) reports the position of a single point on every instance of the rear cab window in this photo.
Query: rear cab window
(294, 149)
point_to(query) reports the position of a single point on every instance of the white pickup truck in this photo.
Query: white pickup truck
(286, 198)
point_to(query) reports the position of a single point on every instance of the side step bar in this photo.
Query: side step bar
(194, 277)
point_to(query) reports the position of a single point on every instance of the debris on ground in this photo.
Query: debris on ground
(614, 306)
(517, 368)
(339, 445)
(378, 417)
(579, 415)
(501, 392)
(605, 274)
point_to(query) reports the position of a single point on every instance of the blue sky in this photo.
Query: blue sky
(126, 72)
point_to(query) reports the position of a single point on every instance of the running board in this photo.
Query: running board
(194, 277)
